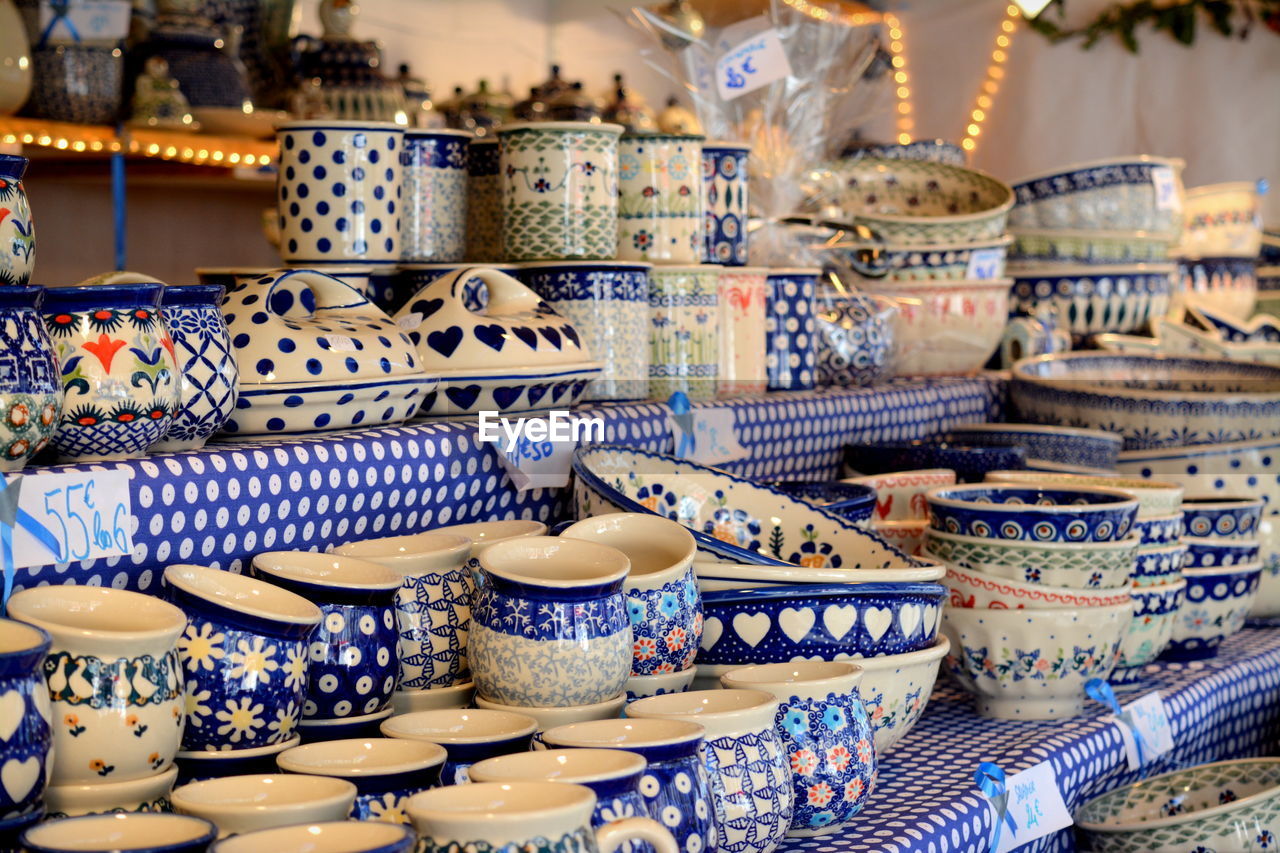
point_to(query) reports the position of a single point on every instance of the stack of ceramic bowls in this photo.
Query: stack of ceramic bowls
(1092, 242)
(1220, 248)
(1223, 570)
(1039, 577)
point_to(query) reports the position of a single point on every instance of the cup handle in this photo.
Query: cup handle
(611, 836)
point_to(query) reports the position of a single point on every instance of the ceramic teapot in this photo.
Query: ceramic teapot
(315, 354)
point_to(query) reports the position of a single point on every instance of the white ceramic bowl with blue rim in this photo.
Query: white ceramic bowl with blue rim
(348, 835)
(1160, 530)
(732, 519)
(1091, 448)
(1154, 565)
(1206, 552)
(713, 577)
(1154, 609)
(146, 833)
(239, 804)
(1116, 193)
(1222, 517)
(150, 793)
(1079, 565)
(1155, 498)
(1038, 514)
(643, 686)
(834, 621)
(385, 771)
(1216, 604)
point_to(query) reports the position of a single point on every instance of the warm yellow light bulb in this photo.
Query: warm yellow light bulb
(904, 92)
(974, 130)
(904, 108)
(898, 62)
(900, 77)
(996, 73)
(1002, 41)
(984, 101)
(978, 115)
(968, 145)
(904, 138)
(1007, 26)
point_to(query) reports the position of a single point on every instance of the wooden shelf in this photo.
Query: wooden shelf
(54, 138)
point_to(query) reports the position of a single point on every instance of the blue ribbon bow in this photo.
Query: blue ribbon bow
(1102, 692)
(60, 9)
(682, 411)
(990, 781)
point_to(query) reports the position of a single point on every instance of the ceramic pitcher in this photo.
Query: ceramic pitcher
(724, 176)
(433, 226)
(684, 331)
(660, 207)
(792, 353)
(113, 677)
(25, 718)
(742, 331)
(484, 201)
(208, 378)
(30, 382)
(17, 229)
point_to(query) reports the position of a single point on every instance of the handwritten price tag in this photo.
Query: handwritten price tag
(984, 264)
(756, 62)
(88, 513)
(340, 343)
(1148, 717)
(536, 464)
(1166, 188)
(1036, 806)
(713, 436)
(86, 20)
(410, 321)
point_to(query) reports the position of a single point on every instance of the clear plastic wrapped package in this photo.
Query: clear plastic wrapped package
(855, 335)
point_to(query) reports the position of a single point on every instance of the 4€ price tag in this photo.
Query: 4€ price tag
(984, 264)
(1146, 716)
(1035, 803)
(751, 64)
(88, 515)
(708, 436)
(1166, 186)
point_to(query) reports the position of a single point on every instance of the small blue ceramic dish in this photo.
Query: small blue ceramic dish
(138, 832)
(970, 463)
(1209, 553)
(819, 621)
(1082, 448)
(854, 501)
(1160, 529)
(1154, 566)
(993, 511)
(1222, 517)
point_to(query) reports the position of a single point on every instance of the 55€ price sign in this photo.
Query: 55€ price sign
(84, 515)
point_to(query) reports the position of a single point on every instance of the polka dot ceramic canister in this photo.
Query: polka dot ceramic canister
(684, 331)
(339, 191)
(484, 201)
(30, 382)
(208, 378)
(559, 190)
(433, 226)
(724, 184)
(25, 724)
(119, 376)
(791, 355)
(17, 229)
(660, 208)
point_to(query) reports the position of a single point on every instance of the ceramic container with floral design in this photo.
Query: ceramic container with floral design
(354, 661)
(433, 225)
(467, 736)
(742, 331)
(660, 207)
(1215, 606)
(946, 328)
(208, 377)
(113, 678)
(662, 600)
(725, 193)
(484, 201)
(30, 381)
(549, 623)
(17, 229)
(559, 185)
(119, 374)
(827, 736)
(386, 772)
(791, 354)
(244, 654)
(26, 719)
(684, 331)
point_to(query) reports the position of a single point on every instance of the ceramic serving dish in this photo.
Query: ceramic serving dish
(1049, 246)
(1095, 299)
(317, 355)
(968, 464)
(834, 621)
(851, 500)
(1154, 565)
(936, 150)
(1228, 285)
(1068, 445)
(1033, 664)
(715, 576)
(518, 355)
(1130, 193)
(732, 519)
(1217, 602)
(1078, 565)
(1155, 498)
(976, 589)
(1040, 514)
(1222, 517)
(1256, 329)
(945, 328)
(900, 494)
(1207, 552)
(905, 262)
(1223, 221)
(1152, 401)
(1154, 610)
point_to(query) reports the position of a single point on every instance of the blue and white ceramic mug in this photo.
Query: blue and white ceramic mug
(350, 836)
(386, 772)
(549, 625)
(208, 377)
(724, 179)
(244, 654)
(202, 764)
(433, 226)
(467, 736)
(354, 661)
(792, 353)
(153, 833)
(26, 718)
(339, 191)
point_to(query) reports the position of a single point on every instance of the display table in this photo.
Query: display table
(925, 800)
(221, 505)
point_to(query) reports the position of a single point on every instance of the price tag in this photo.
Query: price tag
(340, 343)
(1148, 718)
(984, 264)
(756, 62)
(409, 322)
(536, 452)
(1035, 804)
(1166, 188)
(707, 436)
(88, 514)
(85, 20)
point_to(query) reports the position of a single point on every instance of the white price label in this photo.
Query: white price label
(984, 264)
(756, 62)
(87, 515)
(536, 464)
(85, 20)
(340, 343)
(1166, 188)
(409, 322)
(1148, 718)
(712, 438)
(1035, 805)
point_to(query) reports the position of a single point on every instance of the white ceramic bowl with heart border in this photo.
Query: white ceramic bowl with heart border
(979, 590)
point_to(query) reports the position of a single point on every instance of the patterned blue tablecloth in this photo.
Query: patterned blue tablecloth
(221, 505)
(925, 799)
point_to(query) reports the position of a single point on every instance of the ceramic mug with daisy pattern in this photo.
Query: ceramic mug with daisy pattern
(243, 655)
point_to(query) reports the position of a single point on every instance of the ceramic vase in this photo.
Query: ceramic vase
(119, 377)
(484, 201)
(434, 223)
(113, 678)
(27, 718)
(684, 331)
(549, 625)
(385, 771)
(608, 303)
(826, 734)
(30, 382)
(412, 278)
(17, 228)
(751, 788)
(792, 352)
(855, 337)
(208, 378)
(660, 209)
(339, 191)
(77, 83)
(724, 187)
(742, 331)
(244, 652)
(559, 190)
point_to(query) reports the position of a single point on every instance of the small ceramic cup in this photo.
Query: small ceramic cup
(25, 717)
(347, 836)
(147, 794)
(484, 201)
(534, 817)
(549, 718)
(113, 678)
(199, 765)
(467, 736)
(433, 226)
(339, 191)
(559, 183)
(240, 804)
(354, 659)
(1223, 517)
(660, 208)
(791, 357)
(663, 604)
(549, 625)
(826, 733)
(644, 686)
(385, 771)
(31, 386)
(742, 331)
(244, 654)
(724, 187)
(208, 378)
(684, 331)
(153, 833)
(437, 698)
(343, 728)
